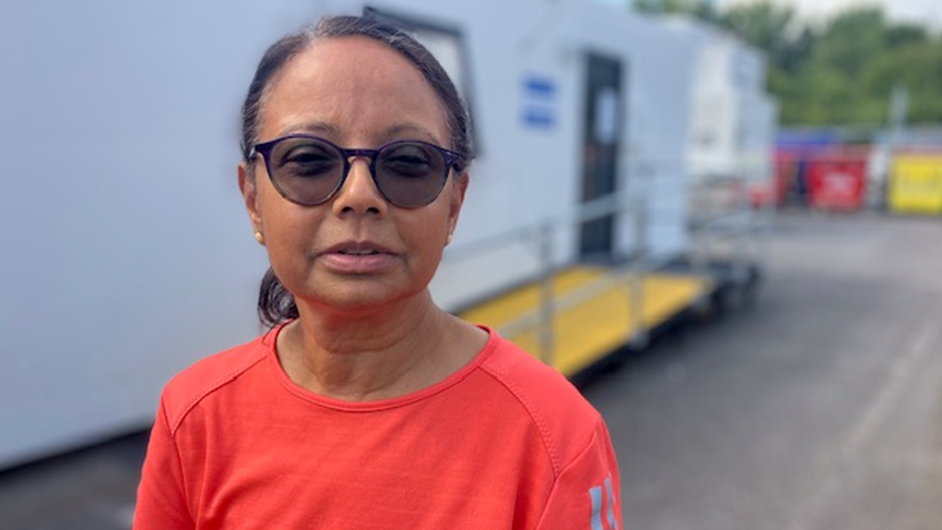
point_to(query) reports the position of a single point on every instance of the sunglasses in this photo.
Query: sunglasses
(308, 170)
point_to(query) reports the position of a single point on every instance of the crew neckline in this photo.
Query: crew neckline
(269, 343)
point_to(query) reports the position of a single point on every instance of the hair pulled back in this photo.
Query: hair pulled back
(275, 303)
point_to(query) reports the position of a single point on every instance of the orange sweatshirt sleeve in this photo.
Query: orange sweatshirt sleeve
(161, 498)
(587, 493)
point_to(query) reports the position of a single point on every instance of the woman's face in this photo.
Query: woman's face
(355, 251)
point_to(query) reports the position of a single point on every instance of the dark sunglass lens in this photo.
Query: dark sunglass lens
(306, 170)
(410, 174)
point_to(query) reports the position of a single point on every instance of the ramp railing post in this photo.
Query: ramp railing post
(765, 226)
(546, 333)
(741, 236)
(699, 240)
(639, 333)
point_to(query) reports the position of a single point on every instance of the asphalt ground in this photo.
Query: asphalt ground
(819, 406)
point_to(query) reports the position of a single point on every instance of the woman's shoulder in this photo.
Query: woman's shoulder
(190, 386)
(522, 373)
(566, 420)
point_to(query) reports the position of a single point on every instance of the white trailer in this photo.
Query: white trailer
(733, 119)
(128, 253)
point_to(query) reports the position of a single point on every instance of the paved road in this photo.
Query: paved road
(819, 408)
(90, 490)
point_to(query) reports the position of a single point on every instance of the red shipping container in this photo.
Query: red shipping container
(786, 170)
(773, 192)
(837, 182)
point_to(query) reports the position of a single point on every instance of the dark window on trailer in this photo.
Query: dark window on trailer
(602, 133)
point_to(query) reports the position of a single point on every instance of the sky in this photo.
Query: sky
(925, 11)
(929, 11)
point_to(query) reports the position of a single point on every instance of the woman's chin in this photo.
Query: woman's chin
(360, 298)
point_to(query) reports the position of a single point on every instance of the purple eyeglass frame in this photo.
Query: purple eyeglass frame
(450, 158)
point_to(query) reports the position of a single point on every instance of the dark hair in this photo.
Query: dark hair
(275, 303)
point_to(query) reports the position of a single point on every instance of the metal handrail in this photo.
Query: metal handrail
(738, 226)
(543, 231)
(595, 209)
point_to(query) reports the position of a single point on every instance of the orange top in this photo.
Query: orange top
(504, 443)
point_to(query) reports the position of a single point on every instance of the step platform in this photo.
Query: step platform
(597, 310)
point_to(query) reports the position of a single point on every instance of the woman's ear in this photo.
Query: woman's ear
(249, 191)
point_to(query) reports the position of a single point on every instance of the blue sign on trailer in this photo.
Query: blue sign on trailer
(539, 102)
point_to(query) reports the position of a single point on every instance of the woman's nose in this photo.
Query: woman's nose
(359, 194)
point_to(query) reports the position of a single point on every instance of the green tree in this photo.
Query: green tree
(840, 72)
(772, 28)
(850, 41)
(906, 34)
(701, 9)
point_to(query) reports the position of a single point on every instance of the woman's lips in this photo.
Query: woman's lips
(357, 260)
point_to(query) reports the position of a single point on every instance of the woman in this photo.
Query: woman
(366, 406)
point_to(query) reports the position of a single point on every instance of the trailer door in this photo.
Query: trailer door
(601, 140)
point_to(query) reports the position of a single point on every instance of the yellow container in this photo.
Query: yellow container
(916, 183)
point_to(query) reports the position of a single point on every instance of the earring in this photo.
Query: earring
(260, 238)
(448, 239)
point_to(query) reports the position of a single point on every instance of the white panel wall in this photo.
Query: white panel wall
(127, 253)
(657, 77)
(733, 119)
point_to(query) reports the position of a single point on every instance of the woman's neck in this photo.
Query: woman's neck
(381, 354)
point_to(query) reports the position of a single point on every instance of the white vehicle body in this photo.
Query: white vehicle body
(733, 119)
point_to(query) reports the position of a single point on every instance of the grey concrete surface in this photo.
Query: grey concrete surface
(820, 407)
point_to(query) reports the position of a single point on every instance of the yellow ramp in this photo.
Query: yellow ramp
(592, 319)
